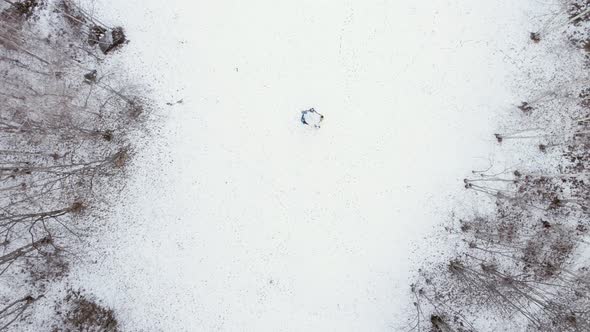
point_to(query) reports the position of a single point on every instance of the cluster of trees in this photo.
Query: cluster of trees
(526, 262)
(66, 122)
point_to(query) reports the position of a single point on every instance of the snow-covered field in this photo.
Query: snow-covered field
(239, 217)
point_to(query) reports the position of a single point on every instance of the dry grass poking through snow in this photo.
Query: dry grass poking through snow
(525, 265)
(66, 122)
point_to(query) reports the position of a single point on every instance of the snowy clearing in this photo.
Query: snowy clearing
(239, 217)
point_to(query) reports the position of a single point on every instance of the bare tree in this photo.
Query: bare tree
(521, 263)
(66, 125)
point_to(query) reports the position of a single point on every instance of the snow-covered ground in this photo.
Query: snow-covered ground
(239, 217)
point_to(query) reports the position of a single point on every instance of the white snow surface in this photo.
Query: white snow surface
(239, 218)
